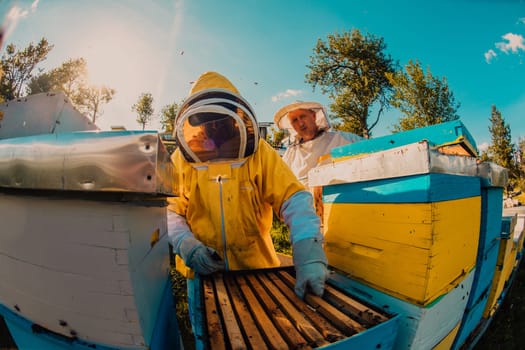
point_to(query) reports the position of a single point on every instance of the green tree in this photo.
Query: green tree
(42, 82)
(351, 68)
(521, 153)
(144, 109)
(423, 99)
(89, 100)
(501, 151)
(167, 121)
(168, 115)
(71, 77)
(484, 156)
(276, 136)
(520, 165)
(18, 67)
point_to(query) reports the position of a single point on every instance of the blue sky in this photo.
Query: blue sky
(263, 47)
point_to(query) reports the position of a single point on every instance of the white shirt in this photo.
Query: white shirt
(304, 156)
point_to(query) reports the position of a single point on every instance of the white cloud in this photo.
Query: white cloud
(483, 147)
(514, 43)
(285, 94)
(489, 55)
(34, 5)
(14, 15)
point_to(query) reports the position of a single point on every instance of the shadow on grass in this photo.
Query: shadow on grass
(506, 332)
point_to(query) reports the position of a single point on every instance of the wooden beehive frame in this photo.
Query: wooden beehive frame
(259, 309)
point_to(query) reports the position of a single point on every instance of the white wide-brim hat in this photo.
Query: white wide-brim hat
(283, 122)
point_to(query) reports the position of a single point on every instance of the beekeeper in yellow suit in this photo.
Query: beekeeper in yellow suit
(230, 181)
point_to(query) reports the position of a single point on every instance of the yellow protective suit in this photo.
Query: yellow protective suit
(231, 205)
(230, 181)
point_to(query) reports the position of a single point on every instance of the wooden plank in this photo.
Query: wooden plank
(340, 319)
(215, 331)
(292, 335)
(232, 327)
(352, 307)
(302, 324)
(260, 310)
(253, 336)
(328, 331)
(273, 337)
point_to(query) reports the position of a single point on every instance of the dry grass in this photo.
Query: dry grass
(506, 330)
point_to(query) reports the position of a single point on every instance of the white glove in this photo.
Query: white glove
(203, 260)
(310, 266)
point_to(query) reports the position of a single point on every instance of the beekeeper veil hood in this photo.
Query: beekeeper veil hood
(215, 122)
(283, 122)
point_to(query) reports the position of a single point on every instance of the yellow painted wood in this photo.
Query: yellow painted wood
(506, 263)
(414, 251)
(447, 342)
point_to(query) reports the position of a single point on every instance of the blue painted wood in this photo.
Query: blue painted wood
(420, 327)
(509, 282)
(27, 336)
(166, 334)
(479, 295)
(425, 188)
(506, 227)
(486, 260)
(471, 320)
(381, 336)
(486, 267)
(72, 137)
(490, 229)
(439, 134)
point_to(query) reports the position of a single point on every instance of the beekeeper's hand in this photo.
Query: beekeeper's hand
(202, 259)
(310, 266)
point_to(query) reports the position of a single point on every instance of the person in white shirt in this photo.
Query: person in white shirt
(310, 136)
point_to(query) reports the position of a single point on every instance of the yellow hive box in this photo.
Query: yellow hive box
(447, 342)
(511, 244)
(413, 251)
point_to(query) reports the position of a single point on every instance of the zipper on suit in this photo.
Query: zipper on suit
(223, 226)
